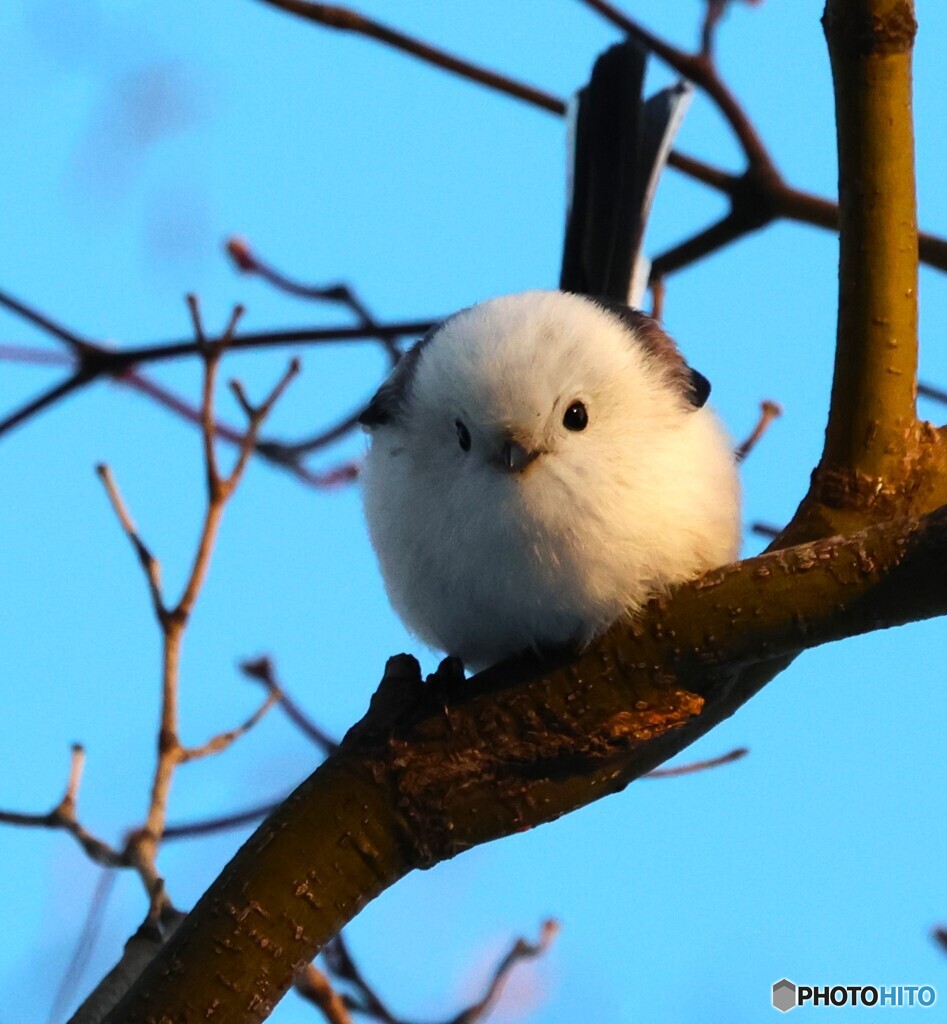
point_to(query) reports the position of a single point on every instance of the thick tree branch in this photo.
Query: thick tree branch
(873, 419)
(878, 459)
(434, 769)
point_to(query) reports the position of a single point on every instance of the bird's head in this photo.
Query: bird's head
(536, 386)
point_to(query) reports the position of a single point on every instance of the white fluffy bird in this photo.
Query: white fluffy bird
(541, 464)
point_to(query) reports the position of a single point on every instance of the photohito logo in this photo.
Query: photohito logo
(787, 995)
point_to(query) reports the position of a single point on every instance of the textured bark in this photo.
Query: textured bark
(436, 768)
(876, 453)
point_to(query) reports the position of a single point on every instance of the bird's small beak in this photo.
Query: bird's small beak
(515, 457)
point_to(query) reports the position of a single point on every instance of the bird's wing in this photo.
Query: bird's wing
(618, 147)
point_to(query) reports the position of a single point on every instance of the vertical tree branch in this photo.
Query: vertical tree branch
(878, 459)
(872, 423)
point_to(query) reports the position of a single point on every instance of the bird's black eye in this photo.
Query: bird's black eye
(463, 435)
(576, 417)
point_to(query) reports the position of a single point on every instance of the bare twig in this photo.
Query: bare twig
(341, 964)
(769, 411)
(697, 766)
(248, 262)
(939, 935)
(262, 670)
(80, 346)
(97, 362)
(336, 17)
(765, 530)
(366, 1000)
(147, 560)
(142, 845)
(49, 397)
(313, 986)
(658, 293)
(712, 16)
(217, 744)
(63, 816)
(162, 351)
(223, 823)
(928, 391)
(522, 950)
(272, 451)
(285, 456)
(33, 356)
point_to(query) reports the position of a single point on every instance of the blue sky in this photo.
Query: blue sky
(819, 857)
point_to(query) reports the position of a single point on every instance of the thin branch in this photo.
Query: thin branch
(150, 565)
(727, 230)
(98, 362)
(36, 405)
(142, 845)
(521, 950)
(211, 356)
(63, 817)
(341, 964)
(766, 529)
(366, 1000)
(223, 823)
(33, 356)
(697, 766)
(248, 262)
(162, 351)
(275, 452)
(707, 174)
(712, 16)
(219, 743)
(342, 18)
(256, 414)
(79, 345)
(262, 670)
(313, 986)
(769, 411)
(928, 391)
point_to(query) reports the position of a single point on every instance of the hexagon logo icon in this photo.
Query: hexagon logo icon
(784, 995)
